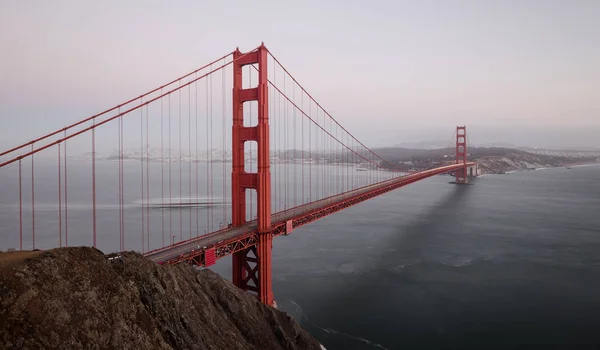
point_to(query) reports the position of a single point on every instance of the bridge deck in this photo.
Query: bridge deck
(194, 249)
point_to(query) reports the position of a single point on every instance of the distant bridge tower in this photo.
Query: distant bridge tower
(461, 154)
(252, 266)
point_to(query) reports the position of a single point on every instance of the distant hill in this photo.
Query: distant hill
(490, 159)
(444, 144)
(397, 154)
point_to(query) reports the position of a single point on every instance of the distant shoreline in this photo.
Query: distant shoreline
(574, 165)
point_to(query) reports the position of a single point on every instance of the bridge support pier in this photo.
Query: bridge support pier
(461, 154)
(252, 269)
(252, 266)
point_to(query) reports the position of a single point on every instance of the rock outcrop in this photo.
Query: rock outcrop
(76, 298)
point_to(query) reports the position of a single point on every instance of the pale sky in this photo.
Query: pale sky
(525, 72)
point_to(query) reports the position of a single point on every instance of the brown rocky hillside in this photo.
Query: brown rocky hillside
(75, 298)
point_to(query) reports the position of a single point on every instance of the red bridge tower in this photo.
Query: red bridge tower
(252, 266)
(461, 154)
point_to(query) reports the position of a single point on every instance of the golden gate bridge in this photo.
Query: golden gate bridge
(290, 163)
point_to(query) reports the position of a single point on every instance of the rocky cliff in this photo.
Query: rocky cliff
(76, 298)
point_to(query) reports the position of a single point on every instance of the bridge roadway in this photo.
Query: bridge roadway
(216, 238)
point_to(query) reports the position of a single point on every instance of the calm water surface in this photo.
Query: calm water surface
(512, 261)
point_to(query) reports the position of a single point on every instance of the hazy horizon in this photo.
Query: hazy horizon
(518, 72)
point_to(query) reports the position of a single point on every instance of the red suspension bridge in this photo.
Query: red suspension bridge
(216, 162)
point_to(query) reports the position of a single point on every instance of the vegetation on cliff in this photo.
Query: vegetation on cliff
(77, 298)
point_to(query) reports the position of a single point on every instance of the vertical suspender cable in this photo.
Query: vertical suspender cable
(207, 158)
(120, 174)
(59, 200)
(142, 172)
(196, 159)
(66, 199)
(224, 125)
(32, 199)
(147, 183)
(285, 148)
(170, 176)
(20, 207)
(180, 159)
(280, 149)
(277, 151)
(211, 155)
(310, 154)
(295, 157)
(122, 184)
(94, 180)
(162, 170)
(302, 145)
(190, 153)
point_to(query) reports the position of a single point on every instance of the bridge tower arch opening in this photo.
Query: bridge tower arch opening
(252, 266)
